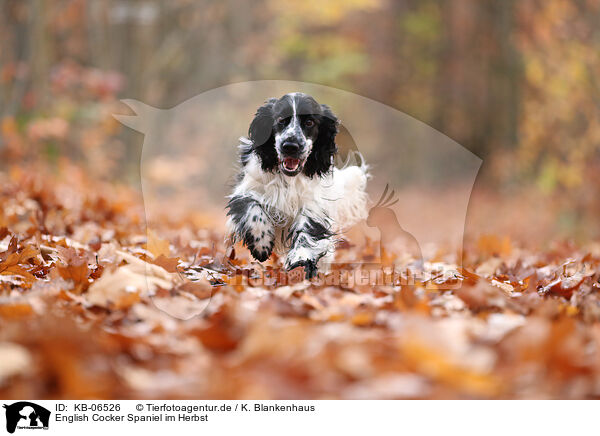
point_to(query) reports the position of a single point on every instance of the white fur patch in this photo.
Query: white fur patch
(292, 129)
(259, 227)
(339, 195)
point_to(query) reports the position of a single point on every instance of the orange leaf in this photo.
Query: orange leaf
(157, 246)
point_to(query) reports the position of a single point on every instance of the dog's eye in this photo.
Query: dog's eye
(309, 123)
(281, 121)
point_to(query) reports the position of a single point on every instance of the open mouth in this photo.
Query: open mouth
(290, 165)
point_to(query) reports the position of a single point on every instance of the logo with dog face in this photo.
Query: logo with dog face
(26, 415)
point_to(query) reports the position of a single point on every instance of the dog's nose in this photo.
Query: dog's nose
(290, 148)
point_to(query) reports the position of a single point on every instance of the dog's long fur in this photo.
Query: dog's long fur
(298, 210)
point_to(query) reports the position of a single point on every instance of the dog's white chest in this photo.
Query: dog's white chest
(288, 196)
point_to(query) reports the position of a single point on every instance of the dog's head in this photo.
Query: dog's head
(294, 134)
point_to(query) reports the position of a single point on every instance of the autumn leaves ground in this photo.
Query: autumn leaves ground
(93, 307)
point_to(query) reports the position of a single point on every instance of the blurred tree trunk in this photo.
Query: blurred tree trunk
(505, 75)
(97, 23)
(14, 48)
(478, 75)
(384, 47)
(40, 52)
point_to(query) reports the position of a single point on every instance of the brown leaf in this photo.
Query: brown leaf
(563, 286)
(73, 267)
(168, 263)
(12, 258)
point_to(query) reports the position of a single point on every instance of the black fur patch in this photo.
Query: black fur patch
(238, 206)
(317, 230)
(314, 229)
(262, 137)
(320, 160)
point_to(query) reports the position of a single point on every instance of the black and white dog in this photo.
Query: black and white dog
(289, 195)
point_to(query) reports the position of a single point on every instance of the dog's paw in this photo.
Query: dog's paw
(261, 253)
(260, 248)
(310, 267)
(302, 256)
(260, 241)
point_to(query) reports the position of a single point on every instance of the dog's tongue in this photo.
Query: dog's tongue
(290, 163)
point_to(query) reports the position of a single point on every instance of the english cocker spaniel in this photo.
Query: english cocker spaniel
(289, 197)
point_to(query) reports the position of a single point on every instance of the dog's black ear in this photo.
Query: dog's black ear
(261, 135)
(320, 159)
(261, 127)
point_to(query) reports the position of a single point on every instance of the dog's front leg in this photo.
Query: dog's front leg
(311, 239)
(249, 223)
